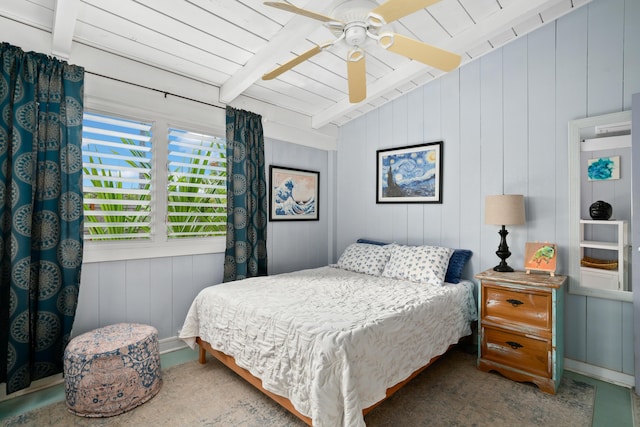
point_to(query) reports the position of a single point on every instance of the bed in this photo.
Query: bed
(331, 343)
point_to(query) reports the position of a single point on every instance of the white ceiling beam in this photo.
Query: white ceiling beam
(299, 27)
(517, 12)
(63, 25)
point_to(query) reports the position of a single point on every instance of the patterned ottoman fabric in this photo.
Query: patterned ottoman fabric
(111, 370)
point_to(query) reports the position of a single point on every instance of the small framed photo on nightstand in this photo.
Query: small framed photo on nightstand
(540, 257)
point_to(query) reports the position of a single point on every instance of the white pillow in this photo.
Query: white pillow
(364, 258)
(422, 264)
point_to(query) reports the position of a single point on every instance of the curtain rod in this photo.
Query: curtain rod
(155, 90)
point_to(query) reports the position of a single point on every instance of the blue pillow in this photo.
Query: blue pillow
(371, 242)
(456, 264)
(457, 261)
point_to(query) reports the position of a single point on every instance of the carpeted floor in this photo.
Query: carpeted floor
(452, 392)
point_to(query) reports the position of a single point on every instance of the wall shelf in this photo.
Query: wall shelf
(599, 278)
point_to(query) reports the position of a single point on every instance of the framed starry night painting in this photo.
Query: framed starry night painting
(411, 174)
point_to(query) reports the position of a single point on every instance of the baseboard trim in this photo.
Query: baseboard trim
(599, 373)
(167, 345)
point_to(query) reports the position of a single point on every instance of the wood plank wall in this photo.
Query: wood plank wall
(503, 119)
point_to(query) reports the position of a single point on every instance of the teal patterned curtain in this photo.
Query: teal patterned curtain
(246, 253)
(41, 216)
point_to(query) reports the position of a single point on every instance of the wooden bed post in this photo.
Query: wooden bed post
(202, 357)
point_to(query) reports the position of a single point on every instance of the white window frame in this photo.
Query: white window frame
(159, 245)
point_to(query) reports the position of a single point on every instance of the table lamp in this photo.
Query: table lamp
(504, 209)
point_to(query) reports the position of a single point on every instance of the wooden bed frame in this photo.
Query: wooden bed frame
(230, 362)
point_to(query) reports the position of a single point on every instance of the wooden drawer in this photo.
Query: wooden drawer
(529, 309)
(526, 353)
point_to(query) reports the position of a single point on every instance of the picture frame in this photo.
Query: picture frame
(411, 174)
(294, 194)
(540, 256)
(603, 168)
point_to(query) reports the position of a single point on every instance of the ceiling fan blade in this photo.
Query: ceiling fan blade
(391, 10)
(357, 76)
(295, 61)
(299, 11)
(414, 49)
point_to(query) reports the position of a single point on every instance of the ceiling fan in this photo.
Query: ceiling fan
(356, 22)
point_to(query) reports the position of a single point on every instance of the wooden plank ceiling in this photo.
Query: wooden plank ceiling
(231, 44)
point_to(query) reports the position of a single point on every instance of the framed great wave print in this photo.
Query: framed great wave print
(294, 194)
(411, 174)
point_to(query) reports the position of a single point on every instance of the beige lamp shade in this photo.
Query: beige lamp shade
(504, 209)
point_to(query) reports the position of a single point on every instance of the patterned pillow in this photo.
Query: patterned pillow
(364, 258)
(423, 264)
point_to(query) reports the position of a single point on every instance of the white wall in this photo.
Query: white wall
(503, 119)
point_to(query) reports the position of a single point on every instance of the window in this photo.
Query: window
(116, 160)
(148, 182)
(197, 188)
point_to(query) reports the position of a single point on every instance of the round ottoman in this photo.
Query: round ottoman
(111, 370)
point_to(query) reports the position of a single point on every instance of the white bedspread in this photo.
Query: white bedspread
(330, 340)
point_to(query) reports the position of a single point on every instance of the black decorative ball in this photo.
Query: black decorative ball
(600, 210)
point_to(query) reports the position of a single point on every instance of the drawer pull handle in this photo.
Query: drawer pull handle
(514, 302)
(514, 345)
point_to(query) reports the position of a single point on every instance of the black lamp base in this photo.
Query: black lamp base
(503, 268)
(503, 252)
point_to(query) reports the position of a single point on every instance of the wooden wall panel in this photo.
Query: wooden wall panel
(515, 110)
(516, 135)
(350, 223)
(605, 60)
(453, 174)
(416, 125)
(471, 198)
(604, 333)
(137, 291)
(431, 232)
(491, 152)
(541, 195)
(160, 298)
(627, 353)
(399, 220)
(182, 294)
(112, 292)
(571, 103)
(88, 310)
(373, 142)
(631, 52)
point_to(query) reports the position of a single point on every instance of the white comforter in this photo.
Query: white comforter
(330, 340)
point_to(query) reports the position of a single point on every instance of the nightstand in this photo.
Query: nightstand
(521, 327)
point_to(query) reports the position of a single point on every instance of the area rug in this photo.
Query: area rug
(452, 392)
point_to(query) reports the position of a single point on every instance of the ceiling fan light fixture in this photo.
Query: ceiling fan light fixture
(385, 40)
(355, 33)
(376, 20)
(355, 54)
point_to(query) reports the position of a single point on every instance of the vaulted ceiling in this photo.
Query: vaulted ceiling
(231, 44)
